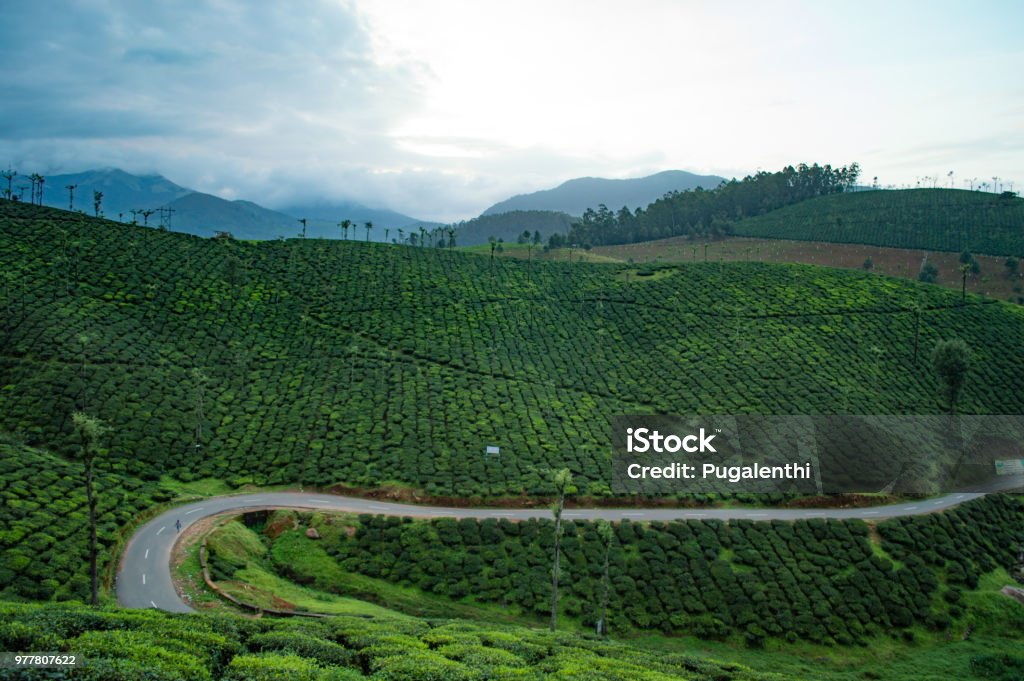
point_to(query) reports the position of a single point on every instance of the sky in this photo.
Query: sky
(439, 109)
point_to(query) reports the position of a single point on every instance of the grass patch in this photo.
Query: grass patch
(305, 561)
(260, 586)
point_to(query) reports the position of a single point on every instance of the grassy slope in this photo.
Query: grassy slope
(363, 363)
(932, 219)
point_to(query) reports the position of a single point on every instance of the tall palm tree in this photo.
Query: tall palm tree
(71, 195)
(369, 226)
(303, 221)
(9, 175)
(345, 224)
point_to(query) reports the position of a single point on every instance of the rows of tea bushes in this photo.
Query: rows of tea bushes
(967, 541)
(927, 219)
(122, 645)
(815, 580)
(327, 362)
(44, 522)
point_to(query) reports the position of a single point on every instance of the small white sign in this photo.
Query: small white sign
(1010, 467)
(491, 449)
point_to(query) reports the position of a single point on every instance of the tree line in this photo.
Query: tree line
(702, 212)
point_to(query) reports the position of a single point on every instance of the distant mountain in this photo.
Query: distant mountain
(575, 196)
(121, 191)
(509, 226)
(205, 215)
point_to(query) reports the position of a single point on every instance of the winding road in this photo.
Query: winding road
(144, 574)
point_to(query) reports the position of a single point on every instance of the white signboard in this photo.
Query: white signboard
(491, 449)
(1010, 467)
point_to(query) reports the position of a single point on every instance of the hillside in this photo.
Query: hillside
(510, 226)
(205, 215)
(575, 196)
(364, 364)
(927, 219)
(121, 191)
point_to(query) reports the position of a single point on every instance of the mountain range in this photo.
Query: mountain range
(575, 196)
(205, 214)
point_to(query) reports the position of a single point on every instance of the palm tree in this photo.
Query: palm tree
(451, 237)
(90, 429)
(97, 199)
(369, 226)
(71, 195)
(9, 175)
(345, 224)
(303, 221)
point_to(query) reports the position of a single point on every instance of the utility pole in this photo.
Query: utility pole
(145, 216)
(71, 195)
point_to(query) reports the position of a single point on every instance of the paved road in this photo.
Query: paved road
(144, 577)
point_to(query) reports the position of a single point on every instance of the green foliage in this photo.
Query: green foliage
(44, 522)
(951, 361)
(133, 644)
(363, 364)
(816, 580)
(929, 219)
(510, 226)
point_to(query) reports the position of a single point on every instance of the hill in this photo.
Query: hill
(330, 362)
(121, 191)
(575, 196)
(510, 226)
(205, 215)
(927, 219)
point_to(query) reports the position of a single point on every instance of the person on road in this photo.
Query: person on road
(177, 525)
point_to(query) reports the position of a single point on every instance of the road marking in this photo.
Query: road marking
(152, 603)
(758, 515)
(143, 579)
(194, 510)
(318, 501)
(375, 507)
(911, 508)
(936, 502)
(696, 515)
(161, 530)
(632, 514)
(871, 512)
(959, 496)
(147, 554)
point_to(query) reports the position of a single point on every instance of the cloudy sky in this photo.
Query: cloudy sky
(438, 109)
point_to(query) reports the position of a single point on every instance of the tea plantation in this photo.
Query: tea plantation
(130, 645)
(324, 362)
(821, 581)
(926, 219)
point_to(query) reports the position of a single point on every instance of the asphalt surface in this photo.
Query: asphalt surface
(144, 576)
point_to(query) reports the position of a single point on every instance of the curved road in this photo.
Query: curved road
(144, 575)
